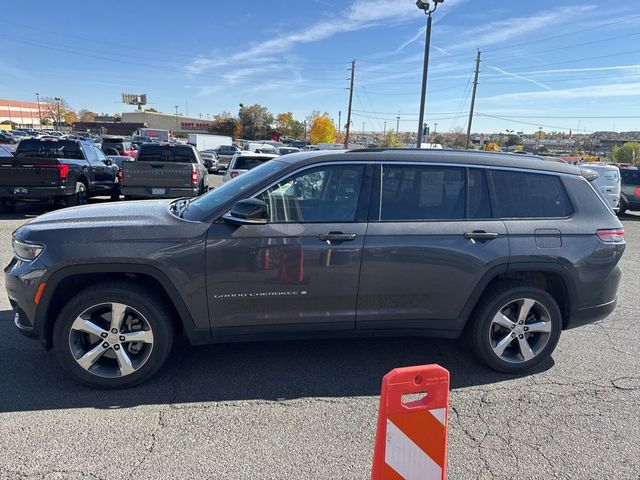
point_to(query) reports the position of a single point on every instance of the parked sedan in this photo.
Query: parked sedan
(244, 161)
(6, 137)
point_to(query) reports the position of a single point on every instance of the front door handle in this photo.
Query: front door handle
(337, 237)
(480, 235)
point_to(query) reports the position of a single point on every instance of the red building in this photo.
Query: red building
(24, 114)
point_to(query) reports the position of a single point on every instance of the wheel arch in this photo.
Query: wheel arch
(551, 278)
(64, 283)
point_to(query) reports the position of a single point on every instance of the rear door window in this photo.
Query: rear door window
(530, 195)
(422, 193)
(166, 153)
(630, 177)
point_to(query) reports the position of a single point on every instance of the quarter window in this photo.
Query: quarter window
(422, 193)
(323, 194)
(530, 195)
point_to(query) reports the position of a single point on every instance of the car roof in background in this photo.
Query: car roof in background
(249, 153)
(465, 157)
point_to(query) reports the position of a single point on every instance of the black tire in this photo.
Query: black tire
(78, 198)
(115, 194)
(500, 295)
(623, 207)
(7, 206)
(144, 300)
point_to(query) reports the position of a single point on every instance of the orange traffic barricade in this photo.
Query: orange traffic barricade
(411, 440)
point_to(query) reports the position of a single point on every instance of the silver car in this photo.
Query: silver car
(244, 161)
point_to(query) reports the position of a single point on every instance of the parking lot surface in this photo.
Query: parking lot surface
(307, 409)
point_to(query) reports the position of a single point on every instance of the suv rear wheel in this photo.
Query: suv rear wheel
(113, 335)
(515, 328)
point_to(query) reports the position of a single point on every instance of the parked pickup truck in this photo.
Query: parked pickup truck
(64, 172)
(164, 170)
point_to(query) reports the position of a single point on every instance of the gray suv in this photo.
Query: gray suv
(504, 250)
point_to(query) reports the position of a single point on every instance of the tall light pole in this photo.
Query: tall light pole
(424, 5)
(176, 107)
(539, 136)
(39, 113)
(241, 121)
(384, 132)
(57, 99)
(397, 125)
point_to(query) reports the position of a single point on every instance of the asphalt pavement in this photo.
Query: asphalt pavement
(307, 409)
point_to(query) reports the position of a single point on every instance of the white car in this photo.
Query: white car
(244, 161)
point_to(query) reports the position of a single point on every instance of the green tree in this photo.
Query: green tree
(627, 153)
(255, 122)
(297, 130)
(513, 140)
(223, 124)
(390, 140)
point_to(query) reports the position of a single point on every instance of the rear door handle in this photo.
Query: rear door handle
(480, 235)
(337, 237)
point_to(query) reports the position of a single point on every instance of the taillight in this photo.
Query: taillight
(637, 191)
(233, 174)
(121, 175)
(615, 235)
(194, 176)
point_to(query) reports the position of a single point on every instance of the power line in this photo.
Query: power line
(523, 122)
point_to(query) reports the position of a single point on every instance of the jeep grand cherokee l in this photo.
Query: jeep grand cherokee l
(504, 250)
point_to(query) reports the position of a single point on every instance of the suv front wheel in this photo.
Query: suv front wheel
(113, 335)
(515, 328)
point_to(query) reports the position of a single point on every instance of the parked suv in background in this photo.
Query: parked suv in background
(123, 147)
(225, 154)
(506, 251)
(244, 161)
(630, 195)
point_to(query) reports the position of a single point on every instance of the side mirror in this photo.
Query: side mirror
(208, 163)
(250, 211)
(107, 162)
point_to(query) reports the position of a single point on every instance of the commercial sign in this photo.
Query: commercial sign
(194, 125)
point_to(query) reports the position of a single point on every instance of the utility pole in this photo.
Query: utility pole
(397, 125)
(339, 121)
(353, 74)
(384, 132)
(435, 128)
(39, 112)
(473, 100)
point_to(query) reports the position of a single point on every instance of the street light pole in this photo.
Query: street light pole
(39, 113)
(57, 99)
(424, 5)
(384, 132)
(397, 125)
(241, 121)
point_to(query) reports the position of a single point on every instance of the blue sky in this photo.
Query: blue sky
(553, 64)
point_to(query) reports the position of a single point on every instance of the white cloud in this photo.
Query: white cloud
(360, 15)
(591, 91)
(520, 77)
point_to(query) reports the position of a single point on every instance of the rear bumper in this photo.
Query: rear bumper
(591, 314)
(35, 193)
(169, 192)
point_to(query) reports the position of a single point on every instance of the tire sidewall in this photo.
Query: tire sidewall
(481, 333)
(145, 302)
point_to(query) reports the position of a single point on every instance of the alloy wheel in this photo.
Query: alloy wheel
(111, 340)
(520, 330)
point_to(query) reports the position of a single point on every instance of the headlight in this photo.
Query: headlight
(26, 251)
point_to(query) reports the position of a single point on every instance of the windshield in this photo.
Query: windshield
(49, 149)
(244, 183)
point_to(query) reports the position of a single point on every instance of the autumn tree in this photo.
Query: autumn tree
(85, 115)
(627, 153)
(255, 121)
(70, 117)
(491, 147)
(284, 122)
(55, 110)
(390, 140)
(223, 124)
(322, 130)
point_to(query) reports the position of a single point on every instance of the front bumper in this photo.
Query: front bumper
(21, 281)
(17, 192)
(147, 192)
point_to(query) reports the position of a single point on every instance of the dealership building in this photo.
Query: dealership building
(179, 125)
(24, 114)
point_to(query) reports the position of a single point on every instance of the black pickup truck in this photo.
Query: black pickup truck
(64, 172)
